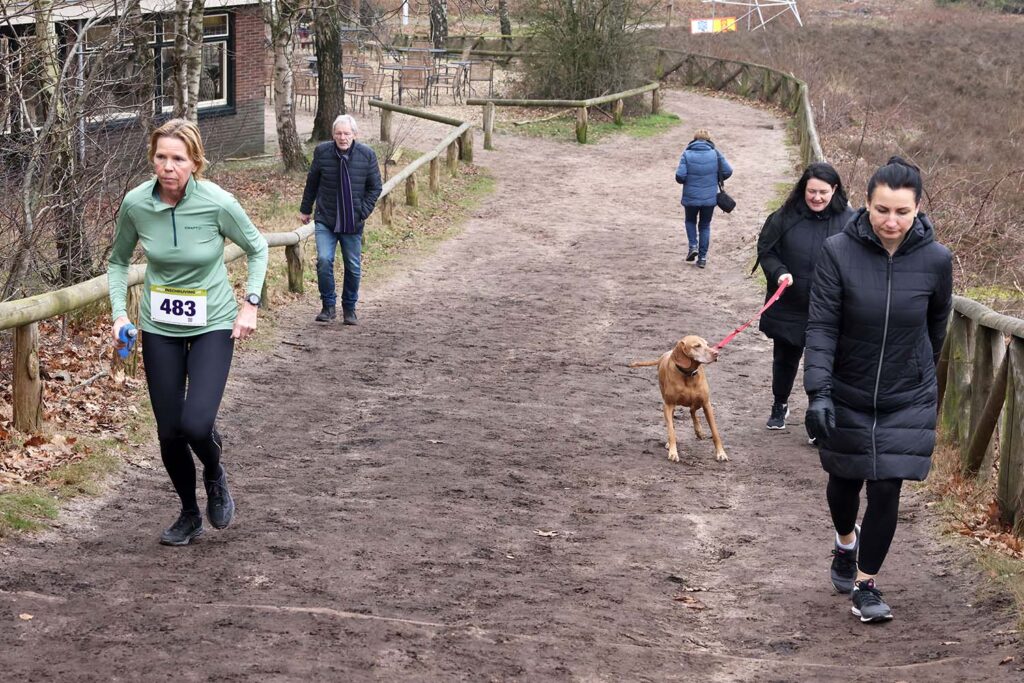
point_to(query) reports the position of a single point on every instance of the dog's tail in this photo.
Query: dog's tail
(643, 363)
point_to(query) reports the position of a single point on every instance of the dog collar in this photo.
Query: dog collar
(688, 373)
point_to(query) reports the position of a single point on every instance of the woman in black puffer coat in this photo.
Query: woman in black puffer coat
(787, 250)
(880, 300)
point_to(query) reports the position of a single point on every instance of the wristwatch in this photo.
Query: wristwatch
(253, 299)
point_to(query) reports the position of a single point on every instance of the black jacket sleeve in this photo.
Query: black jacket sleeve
(767, 248)
(940, 305)
(824, 321)
(312, 185)
(373, 184)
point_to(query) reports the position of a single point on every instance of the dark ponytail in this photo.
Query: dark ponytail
(897, 174)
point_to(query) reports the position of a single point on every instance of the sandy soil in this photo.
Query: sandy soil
(471, 485)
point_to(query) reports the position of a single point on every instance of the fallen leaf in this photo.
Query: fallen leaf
(36, 440)
(1006, 660)
(25, 616)
(545, 534)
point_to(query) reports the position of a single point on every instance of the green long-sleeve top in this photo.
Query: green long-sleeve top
(184, 247)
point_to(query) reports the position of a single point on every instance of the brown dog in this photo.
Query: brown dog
(683, 383)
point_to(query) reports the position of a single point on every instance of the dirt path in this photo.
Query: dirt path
(393, 479)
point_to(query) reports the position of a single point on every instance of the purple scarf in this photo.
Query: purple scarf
(345, 222)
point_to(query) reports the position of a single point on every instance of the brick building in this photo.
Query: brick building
(231, 92)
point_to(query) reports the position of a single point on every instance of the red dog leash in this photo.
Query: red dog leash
(767, 305)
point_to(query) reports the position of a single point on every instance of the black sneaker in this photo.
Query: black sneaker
(701, 263)
(844, 565)
(188, 526)
(868, 603)
(220, 507)
(349, 316)
(692, 255)
(777, 420)
(326, 314)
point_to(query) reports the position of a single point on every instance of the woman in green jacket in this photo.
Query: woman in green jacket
(189, 316)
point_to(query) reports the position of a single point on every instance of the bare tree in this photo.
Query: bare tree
(328, 16)
(280, 17)
(188, 56)
(505, 23)
(439, 23)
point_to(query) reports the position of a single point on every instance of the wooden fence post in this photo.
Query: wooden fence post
(617, 112)
(1010, 490)
(982, 379)
(435, 175)
(656, 100)
(385, 210)
(987, 419)
(957, 399)
(489, 125)
(453, 159)
(466, 146)
(385, 125)
(412, 197)
(27, 386)
(293, 257)
(581, 125)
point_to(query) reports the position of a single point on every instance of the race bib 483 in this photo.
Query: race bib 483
(177, 306)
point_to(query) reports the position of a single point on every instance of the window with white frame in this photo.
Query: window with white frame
(213, 77)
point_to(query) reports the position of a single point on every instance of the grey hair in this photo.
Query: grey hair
(345, 118)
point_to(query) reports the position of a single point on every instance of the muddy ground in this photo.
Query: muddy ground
(471, 485)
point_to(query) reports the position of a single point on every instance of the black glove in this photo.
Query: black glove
(821, 417)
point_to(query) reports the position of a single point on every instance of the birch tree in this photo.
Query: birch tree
(188, 56)
(280, 17)
(328, 16)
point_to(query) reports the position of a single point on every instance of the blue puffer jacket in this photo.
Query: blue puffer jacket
(700, 168)
(873, 339)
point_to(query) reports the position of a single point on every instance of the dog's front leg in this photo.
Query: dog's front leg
(673, 453)
(710, 415)
(696, 422)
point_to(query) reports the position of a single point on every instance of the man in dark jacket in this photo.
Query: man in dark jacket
(344, 181)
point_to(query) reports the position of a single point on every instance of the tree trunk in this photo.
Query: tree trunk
(439, 23)
(188, 57)
(330, 89)
(279, 18)
(506, 25)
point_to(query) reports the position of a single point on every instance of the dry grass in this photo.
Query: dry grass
(939, 86)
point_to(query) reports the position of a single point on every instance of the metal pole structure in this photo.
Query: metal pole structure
(758, 13)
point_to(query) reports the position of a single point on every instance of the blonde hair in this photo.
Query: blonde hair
(188, 133)
(702, 134)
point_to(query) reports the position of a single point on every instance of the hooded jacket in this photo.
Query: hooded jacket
(875, 329)
(790, 242)
(700, 168)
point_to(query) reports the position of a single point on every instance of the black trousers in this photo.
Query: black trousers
(785, 363)
(879, 524)
(186, 378)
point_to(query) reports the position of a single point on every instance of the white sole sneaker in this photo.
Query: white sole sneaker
(785, 417)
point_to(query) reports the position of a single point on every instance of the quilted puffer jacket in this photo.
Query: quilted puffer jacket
(700, 168)
(322, 183)
(875, 329)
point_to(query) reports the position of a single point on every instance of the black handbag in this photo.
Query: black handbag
(723, 200)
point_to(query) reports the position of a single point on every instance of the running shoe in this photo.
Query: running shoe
(189, 525)
(844, 565)
(868, 603)
(777, 420)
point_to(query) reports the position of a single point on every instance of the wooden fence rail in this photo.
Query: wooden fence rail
(981, 369)
(581, 107)
(23, 315)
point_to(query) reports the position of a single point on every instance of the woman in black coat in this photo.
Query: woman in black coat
(787, 250)
(880, 300)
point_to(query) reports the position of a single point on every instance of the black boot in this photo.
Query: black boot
(189, 525)
(326, 314)
(349, 316)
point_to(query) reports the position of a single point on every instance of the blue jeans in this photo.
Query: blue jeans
(698, 225)
(351, 254)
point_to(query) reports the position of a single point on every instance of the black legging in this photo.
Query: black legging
(785, 363)
(186, 378)
(879, 524)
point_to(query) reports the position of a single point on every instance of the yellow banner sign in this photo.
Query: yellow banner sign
(713, 25)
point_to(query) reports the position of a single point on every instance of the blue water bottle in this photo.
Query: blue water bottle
(127, 335)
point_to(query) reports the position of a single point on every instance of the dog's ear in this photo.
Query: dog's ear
(680, 353)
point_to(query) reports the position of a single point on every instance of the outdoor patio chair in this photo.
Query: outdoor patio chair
(450, 80)
(368, 90)
(414, 79)
(481, 72)
(305, 90)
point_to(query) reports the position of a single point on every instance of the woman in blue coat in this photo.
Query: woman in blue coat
(880, 300)
(700, 169)
(787, 250)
